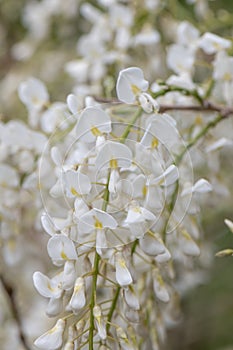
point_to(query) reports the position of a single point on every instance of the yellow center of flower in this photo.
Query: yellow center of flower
(49, 287)
(95, 131)
(98, 224)
(113, 163)
(77, 288)
(144, 190)
(122, 263)
(186, 235)
(63, 255)
(154, 142)
(137, 210)
(217, 46)
(74, 192)
(135, 89)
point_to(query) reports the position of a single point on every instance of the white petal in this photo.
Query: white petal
(56, 156)
(54, 307)
(52, 340)
(45, 286)
(202, 186)
(69, 346)
(229, 224)
(33, 93)
(101, 242)
(76, 183)
(187, 244)
(130, 82)
(92, 123)
(148, 215)
(219, 144)
(163, 129)
(211, 43)
(131, 298)
(123, 339)
(99, 322)
(169, 176)
(164, 257)
(159, 288)
(94, 219)
(78, 298)
(80, 207)
(61, 248)
(123, 276)
(69, 274)
(114, 178)
(47, 224)
(151, 245)
(113, 155)
(73, 103)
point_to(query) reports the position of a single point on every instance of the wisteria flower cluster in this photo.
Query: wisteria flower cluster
(116, 180)
(111, 174)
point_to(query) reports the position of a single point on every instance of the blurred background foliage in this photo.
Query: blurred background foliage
(207, 321)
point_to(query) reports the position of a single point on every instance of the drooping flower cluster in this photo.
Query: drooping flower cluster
(115, 182)
(112, 184)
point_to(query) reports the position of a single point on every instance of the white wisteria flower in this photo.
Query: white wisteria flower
(137, 219)
(99, 321)
(123, 339)
(93, 122)
(160, 287)
(123, 275)
(33, 93)
(131, 84)
(201, 186)
(76, 183)
(52, 339)
(61, 249)
(131, 87)
(114, 155)
(78, 298)
(211, 43)
(152, 244)
(187, 244)
(48, 288)
(96, 221)
(229, 224)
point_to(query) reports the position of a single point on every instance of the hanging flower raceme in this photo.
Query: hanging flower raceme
(112, 245)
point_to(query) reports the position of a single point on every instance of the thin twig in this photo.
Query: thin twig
(206, 107)
(14, 309)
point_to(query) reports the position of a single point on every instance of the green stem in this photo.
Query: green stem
(117, 293)
(93, 298)
(173, 88)
(132, 122)
(202, 133)
(98, 258)
(95, 274)
(113, 306)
